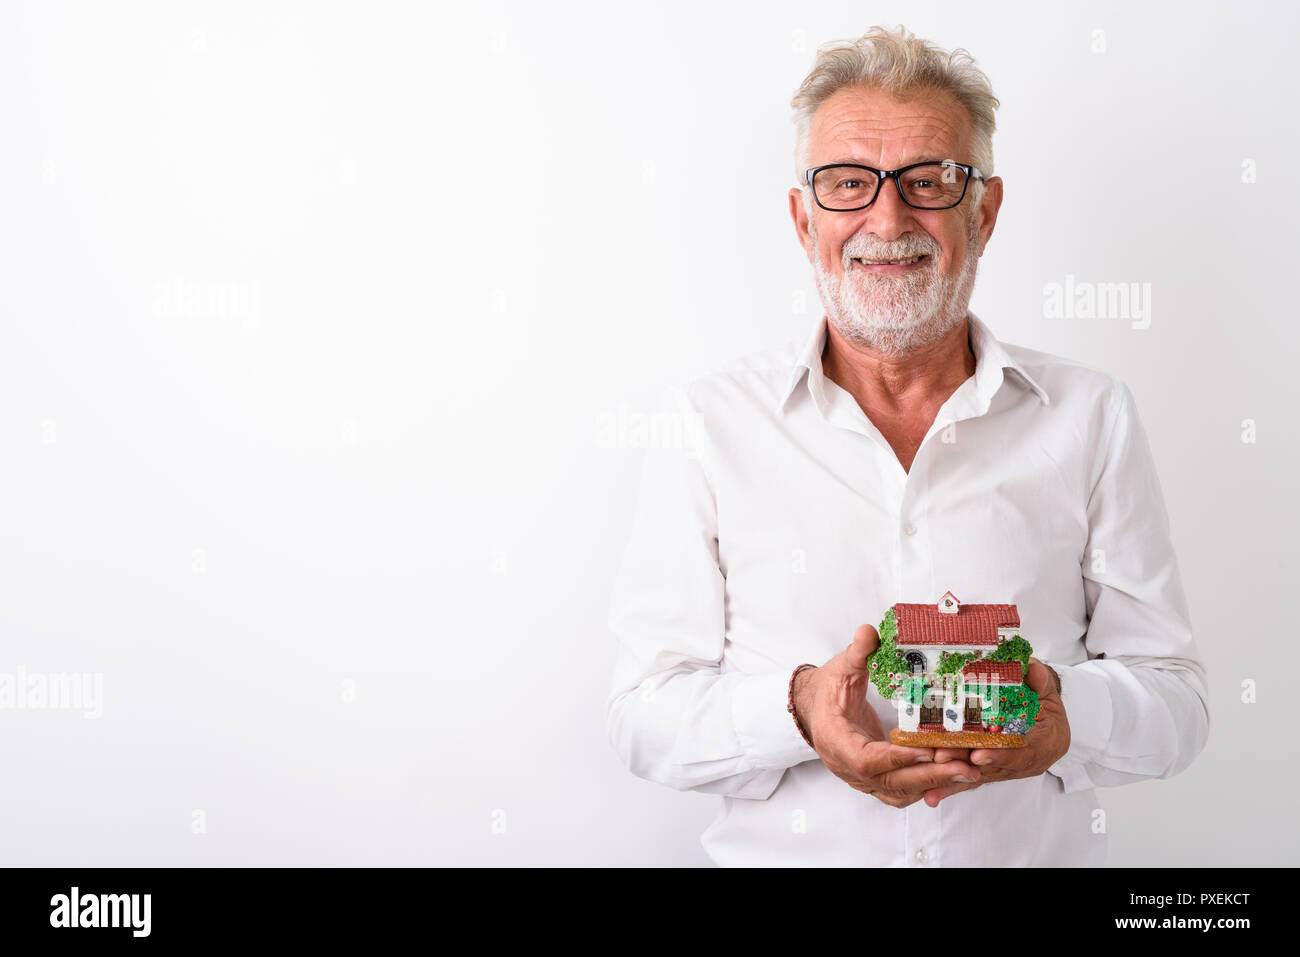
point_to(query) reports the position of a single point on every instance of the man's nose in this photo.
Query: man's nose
(888, 217)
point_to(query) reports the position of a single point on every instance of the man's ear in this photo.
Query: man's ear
(990, 203)
(799, 213)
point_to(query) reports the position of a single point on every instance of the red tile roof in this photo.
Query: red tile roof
(970, 625)
(995, 672)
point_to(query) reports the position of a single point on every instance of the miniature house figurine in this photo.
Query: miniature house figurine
(957, 674)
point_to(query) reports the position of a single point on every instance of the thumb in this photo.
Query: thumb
(865, 643)
(1039, 678)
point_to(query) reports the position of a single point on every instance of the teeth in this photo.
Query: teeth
(891, 262)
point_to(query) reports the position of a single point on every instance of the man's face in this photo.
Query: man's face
(894, 309)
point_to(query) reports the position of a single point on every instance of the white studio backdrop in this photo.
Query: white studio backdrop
(312, 314)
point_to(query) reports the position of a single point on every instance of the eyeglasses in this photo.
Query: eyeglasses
(843, 188)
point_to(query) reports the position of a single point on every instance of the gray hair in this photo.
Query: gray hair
(896, 62)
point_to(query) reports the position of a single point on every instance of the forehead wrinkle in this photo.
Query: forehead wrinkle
(902, 143)
(850, 124)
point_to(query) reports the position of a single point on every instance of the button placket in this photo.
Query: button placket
(922, 843)
(917, 566)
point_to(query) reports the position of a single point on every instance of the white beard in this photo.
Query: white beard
(896, 315)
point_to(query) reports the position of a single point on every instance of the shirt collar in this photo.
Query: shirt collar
(991, 358)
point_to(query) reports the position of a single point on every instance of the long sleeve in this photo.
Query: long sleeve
(674, 715)
(1138, 708)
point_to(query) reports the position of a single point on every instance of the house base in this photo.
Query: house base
(955, 739)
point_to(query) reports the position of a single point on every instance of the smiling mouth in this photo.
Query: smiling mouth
(908, 261)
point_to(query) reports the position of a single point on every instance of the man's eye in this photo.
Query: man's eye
(923, 184)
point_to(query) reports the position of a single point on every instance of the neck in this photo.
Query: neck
(925, 377)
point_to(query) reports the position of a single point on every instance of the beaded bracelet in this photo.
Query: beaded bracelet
(789, 704)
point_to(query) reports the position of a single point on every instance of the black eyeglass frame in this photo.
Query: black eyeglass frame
(884, 174)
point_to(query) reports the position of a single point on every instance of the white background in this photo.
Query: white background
(310, 314)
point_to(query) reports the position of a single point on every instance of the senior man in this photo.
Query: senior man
(900, 452)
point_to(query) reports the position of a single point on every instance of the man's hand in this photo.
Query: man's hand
(831, 704)
(1045, 742)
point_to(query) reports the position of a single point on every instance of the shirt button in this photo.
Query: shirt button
(909, 528)
(920, 855)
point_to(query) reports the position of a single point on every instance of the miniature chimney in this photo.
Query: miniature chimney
(949, 604)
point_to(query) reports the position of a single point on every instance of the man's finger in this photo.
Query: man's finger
(924, 777)
(944, 755)
(865, 642)
(1041, 679)
(933, 796)
(874, 758)
(1011, 758)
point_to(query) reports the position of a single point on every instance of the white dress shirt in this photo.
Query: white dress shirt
(784, 520)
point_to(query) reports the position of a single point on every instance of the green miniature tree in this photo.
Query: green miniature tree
(1013, 649)
(951, 663)
(1013, 701)
(888, 669)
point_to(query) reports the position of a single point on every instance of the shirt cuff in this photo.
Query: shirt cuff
(765, 728)
(1085, 696)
